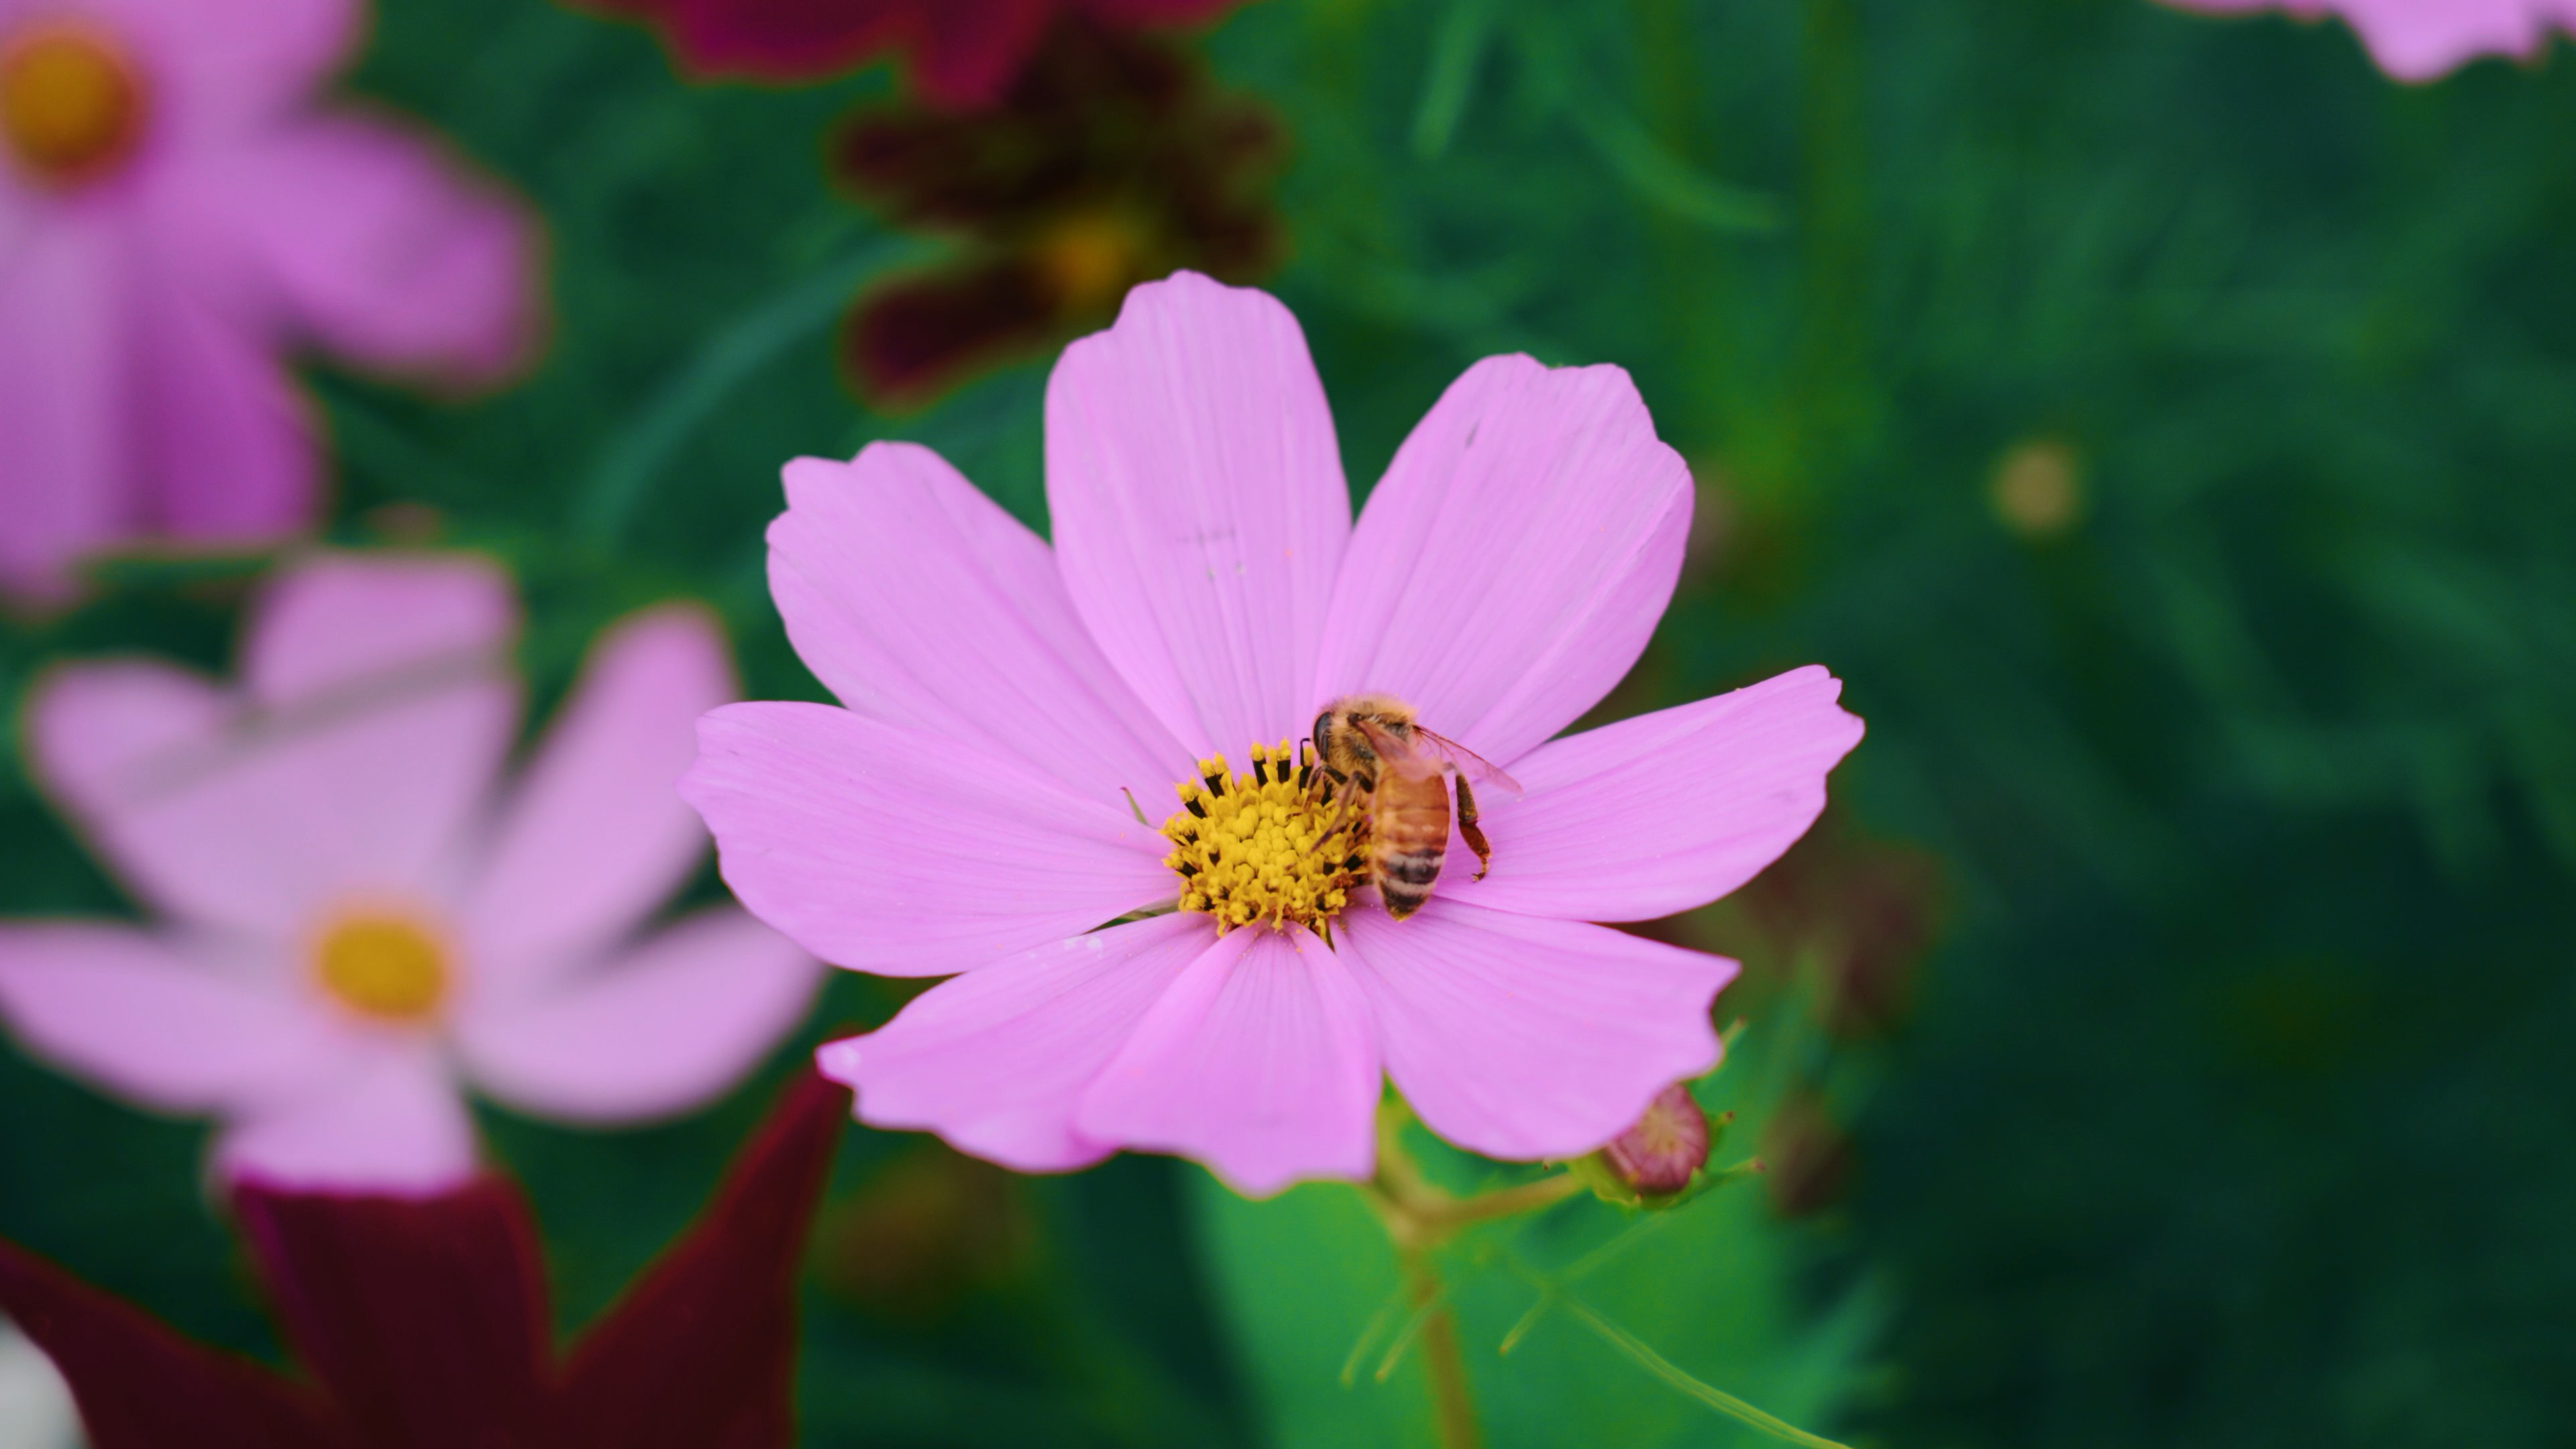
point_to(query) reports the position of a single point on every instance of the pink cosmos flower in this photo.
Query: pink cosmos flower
(2420, 40)
(175, 212)
(1015, 716)
(353, 923)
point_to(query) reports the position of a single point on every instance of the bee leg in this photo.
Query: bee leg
(1467, 830)
(1341, 814)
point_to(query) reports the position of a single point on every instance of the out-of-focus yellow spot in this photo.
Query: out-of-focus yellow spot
(2038, 488)
(70, 103)
(385, 967)
(1255, 847)
(1089, 259)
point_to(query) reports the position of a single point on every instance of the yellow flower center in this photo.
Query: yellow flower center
(71, 105)
(1255, 847)
(387, 967)
(1088, 259)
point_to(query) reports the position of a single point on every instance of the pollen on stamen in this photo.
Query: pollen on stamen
(1253, 849)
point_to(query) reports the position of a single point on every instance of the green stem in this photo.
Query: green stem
(1441, 1361)
(1419, 1216)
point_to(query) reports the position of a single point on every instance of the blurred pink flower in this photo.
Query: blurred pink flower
(175, 211)
(2420, 40)
(969, 811)
(353, 922)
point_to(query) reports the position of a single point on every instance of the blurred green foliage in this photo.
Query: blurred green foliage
(2166, 428)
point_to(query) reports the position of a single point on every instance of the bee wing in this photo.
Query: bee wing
(1394, 752)
(1474, 766)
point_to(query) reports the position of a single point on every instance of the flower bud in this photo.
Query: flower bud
(1656, 1158)
(1669, 1143)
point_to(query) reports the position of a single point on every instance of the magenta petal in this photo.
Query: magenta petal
(996, 1060)
(2421, 40)
(918, 601)
(1664, 812)
(674, 1022)
(969, 53)
(226, 447)
(66, 462)
(908, 854)
(366, 239)
(178, 1030)
(242, 60)
(595, 835)
(1513, 562)
(1525, 1038)
(1199, 507)
(395, 1125)
(1257, 1062)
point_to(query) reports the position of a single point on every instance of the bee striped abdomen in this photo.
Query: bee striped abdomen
(1410, 834)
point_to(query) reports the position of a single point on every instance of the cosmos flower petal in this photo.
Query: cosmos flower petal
(424, 1319)
(244, 60)
(594, 834)
(124, 747)
(918, 601)
(64, 468)
(1513, 562)
(363, 237)
(668, 1026)
(340, 622)
(1258, 1062)
(2422, 40)
(1663, 812)
(995, 1061)
(905, 853)
(354, 774)
(1525, 1038)
(380, 708)
(394, 1125)
(228, 449)
(1199, 508)
(169, 1027)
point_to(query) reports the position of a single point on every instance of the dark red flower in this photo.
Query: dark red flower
(1114, 160)
(424, 1323)
(964, 53)
(1862, 912)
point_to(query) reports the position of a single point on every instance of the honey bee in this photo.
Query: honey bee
(1386, 767)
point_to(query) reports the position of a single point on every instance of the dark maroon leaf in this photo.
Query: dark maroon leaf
(141, 1386)
(700, 1353)
(424, 1318)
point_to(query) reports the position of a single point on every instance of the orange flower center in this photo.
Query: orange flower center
(71, 106)
(386, 967)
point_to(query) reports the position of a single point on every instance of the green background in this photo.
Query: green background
(2234, 1106)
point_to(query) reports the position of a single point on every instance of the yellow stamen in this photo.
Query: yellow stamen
(1252, 848)
(71, 105)
(386, 967)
